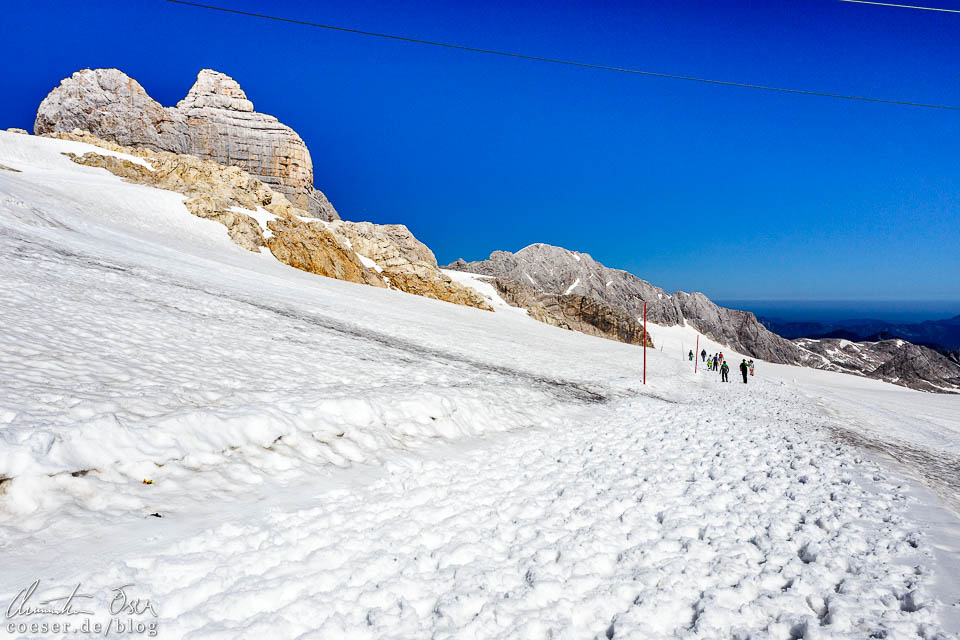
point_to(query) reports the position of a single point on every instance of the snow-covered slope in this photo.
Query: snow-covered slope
(333, 460)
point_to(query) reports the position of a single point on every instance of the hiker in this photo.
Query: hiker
(703, 354)
(750, 362)
(724, 370)
(690, 355)
(744, 367)
(720, 357)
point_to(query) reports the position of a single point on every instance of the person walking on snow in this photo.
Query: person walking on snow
(750, 363)
(724, 370)
(690, 355)
(744, 367)
(703, 354)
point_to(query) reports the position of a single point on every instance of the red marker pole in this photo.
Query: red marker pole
(696, 354)
(644, 342)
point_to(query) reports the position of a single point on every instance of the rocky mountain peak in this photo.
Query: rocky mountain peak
(549, 252)
(216, 90)
(215, 121)
(558, 271)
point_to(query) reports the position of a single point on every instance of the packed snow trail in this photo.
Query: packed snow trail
(646, 519)
(332, 460)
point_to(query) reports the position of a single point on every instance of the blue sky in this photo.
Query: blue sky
(734, 192)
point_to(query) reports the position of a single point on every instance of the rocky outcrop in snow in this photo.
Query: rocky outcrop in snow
(896, 361)
(230, 196)
(577, 313)
(377, 255)
(559, 271)
(405, 262)
(739, 330)
(215, 121)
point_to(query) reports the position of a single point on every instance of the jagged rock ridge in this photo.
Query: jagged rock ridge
(559, 271)
(214, 121)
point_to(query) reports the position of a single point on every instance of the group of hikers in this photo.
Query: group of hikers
(716, 362)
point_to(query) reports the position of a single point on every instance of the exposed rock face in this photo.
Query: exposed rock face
(919, 367)
(559, 271)
(578, 313)
(378, 255)
(308, 246)
(739, 330)
(216, 192)
(896, 361)
(18, 130)
(405, 262)
(215, 121)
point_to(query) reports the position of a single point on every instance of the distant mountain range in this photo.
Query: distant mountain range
(944, 334)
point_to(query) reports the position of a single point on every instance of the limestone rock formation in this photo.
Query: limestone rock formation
(221, 193)
(558, 271)
(920, 368)
(405, 262)
(739, 330)
(377, 255)
(309, 246)
(578, 313)
(18, 130)
(896, 361)
(215, 121)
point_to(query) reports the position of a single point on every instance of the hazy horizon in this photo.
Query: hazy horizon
(832, 310)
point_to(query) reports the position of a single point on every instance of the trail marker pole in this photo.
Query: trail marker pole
(696, 354)
(644, 342)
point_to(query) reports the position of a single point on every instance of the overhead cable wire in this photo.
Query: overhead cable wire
(571, 63)
(903, 6)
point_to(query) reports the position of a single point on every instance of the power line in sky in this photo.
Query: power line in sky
(571, 63)
(902, 6)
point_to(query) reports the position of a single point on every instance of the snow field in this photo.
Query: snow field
(332, 460)
(631, 521)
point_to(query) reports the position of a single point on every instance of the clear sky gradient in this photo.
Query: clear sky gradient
(734, 192)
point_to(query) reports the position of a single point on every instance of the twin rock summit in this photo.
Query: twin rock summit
(240, 167)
